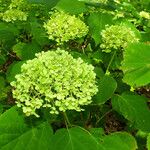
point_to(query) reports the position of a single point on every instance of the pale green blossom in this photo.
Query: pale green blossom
(145, 14)
(63, 27)
(116, 37)
(12, 15)
(54, 80)
(14, 10)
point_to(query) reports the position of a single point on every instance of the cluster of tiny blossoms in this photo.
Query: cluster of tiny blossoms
(117, 37)
(144, 14)
(55, 80)
(63, 27)
(15, 11)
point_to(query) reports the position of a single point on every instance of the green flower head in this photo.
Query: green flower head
(117, 37)
(63, 27)
(12, 15)
(55, 80)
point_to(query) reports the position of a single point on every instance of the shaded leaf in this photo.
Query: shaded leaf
(134, 108)
(106, 87)
(26, 51)
(13, 70)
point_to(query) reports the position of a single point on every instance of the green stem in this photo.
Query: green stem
(110, 62)
(102, 117)
(66, 120)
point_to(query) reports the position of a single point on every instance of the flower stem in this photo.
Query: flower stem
(68, 124)
(110, 62)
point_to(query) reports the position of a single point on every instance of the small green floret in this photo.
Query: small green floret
(54, 80)
(116, 37)
(63, 27)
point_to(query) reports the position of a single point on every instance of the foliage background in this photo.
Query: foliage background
(119, 117)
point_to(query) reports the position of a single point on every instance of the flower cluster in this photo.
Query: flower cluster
(145, 14)
(12, 15)
(55, 80)
(63, 27)
(15, 11)
(117, 37)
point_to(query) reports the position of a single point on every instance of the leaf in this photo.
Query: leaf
(3, 89)
(119, 141)
(136, 65)
(26, 51)
(134, 108)
(71, 6)
(148, 142)
(106, 87)
(97, 22)
(74, 139)
(13, 70)
(48, 3)
(8, 32)
(15, 135)
(38, 33)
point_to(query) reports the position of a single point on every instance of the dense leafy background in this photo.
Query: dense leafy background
(118, 118)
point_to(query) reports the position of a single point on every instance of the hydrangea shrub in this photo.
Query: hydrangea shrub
(63, 27)
(55, 80)
(117, 37)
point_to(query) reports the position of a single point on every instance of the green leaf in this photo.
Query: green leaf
(26, 51)
(119, 141)
(106, 87)
(74, 139)
(8, 32)
(148, 142)
(145, 36)
(13, 70)
(38, 33)
(3, 88)
(134, 108)
(15, 135)
(48, 3)
(136, 65)
(71, 6)
(97, 22)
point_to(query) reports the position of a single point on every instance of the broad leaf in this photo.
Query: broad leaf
(97, 22)
(119, 141)
(8, 32)
(148, 142)
(38, 33)
(48, 3)
(71, 6)
(134, 108)
(74, 139)
(106, 87)
(13, 70)
(15, 135)
(26, 51)
(136, 65)
(114, 141)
